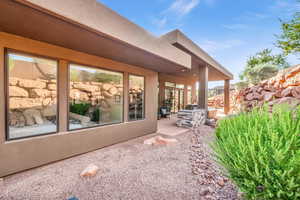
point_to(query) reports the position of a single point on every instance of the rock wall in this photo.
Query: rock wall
(33, 101)
(283, 88)
(217, 102)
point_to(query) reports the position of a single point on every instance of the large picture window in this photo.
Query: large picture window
(96, 97)
(32, 95)
(136, 97)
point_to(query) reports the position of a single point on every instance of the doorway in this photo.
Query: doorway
(174, 97)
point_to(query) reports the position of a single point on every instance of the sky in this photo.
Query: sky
(229, 30)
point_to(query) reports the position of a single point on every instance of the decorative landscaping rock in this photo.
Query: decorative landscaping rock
(13, 81)
(285, 84)
(90, 171)
(43, 93)
(23, 103)
(158, 140)
(27, 83)
(16, 119)
(52, 86)
(86, 87)
(81, 118)
(33, 116)
(50, 111)
(15, 91)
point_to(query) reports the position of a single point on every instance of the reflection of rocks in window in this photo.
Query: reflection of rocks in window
(32, 95)
(136, 97)
(96, 95)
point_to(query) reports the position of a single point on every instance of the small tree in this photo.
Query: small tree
(262, 66)
(289, 40)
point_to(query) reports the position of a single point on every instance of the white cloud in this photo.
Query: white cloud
(160, 23)
(182, 7)
(235, 26)
(213, 46)
(285, 8)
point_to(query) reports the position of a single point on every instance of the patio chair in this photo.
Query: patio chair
(164, 112)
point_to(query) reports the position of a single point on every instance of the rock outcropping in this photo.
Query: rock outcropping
(283, 88)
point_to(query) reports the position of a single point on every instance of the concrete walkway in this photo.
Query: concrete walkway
(129, 170)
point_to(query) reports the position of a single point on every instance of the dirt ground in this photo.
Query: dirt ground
(130, 170)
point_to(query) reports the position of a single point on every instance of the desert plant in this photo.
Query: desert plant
(260, 152)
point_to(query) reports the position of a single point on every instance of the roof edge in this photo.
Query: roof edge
(177, 36)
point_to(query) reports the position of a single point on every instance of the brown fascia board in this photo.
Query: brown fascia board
(177, 37)
(93, 15)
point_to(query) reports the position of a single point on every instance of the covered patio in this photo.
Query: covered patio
(181, 87)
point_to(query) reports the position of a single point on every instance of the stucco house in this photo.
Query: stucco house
(76, 76)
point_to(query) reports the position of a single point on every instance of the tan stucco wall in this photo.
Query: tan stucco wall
(24, 154)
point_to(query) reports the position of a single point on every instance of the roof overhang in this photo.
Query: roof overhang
(90, 27)
(216, 70)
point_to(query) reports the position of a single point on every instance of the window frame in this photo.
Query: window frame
(6, 92)
(144, 98)
(68, 96)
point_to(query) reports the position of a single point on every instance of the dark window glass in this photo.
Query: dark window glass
(96, 97)
(32, 91)
(136, 97)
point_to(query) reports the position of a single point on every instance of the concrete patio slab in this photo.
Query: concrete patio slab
(168, 127)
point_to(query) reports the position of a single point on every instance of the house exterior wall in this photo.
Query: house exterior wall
(163, 78)
(22, 154)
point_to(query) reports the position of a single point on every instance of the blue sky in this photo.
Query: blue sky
(229, 30)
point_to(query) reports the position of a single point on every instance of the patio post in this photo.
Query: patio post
(185, 95)
(226, 96)
(203, 87)
(194, 96)
(161, 94)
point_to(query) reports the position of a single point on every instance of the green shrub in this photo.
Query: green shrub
(260, 152)
(96, 115)
(79, 108)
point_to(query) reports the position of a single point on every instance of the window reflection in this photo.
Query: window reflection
(96, 97)
(32, 93)
(136, 97)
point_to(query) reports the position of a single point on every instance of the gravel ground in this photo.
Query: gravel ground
(129, 170)
(213, 185)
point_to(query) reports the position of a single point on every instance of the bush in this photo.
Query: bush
(260, 152)
(96, 115)
(80, 108)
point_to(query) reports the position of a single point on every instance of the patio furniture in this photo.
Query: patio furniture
(191, 118)
(165, 112)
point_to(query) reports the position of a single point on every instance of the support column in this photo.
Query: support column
(194, 96)
(63, 96)
(126, 97)
(203, 87)
(185, 95)
(161, 94)
(2, 96)
(226, 96)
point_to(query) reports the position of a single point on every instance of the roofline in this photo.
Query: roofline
(178, 37)
(142, 40)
